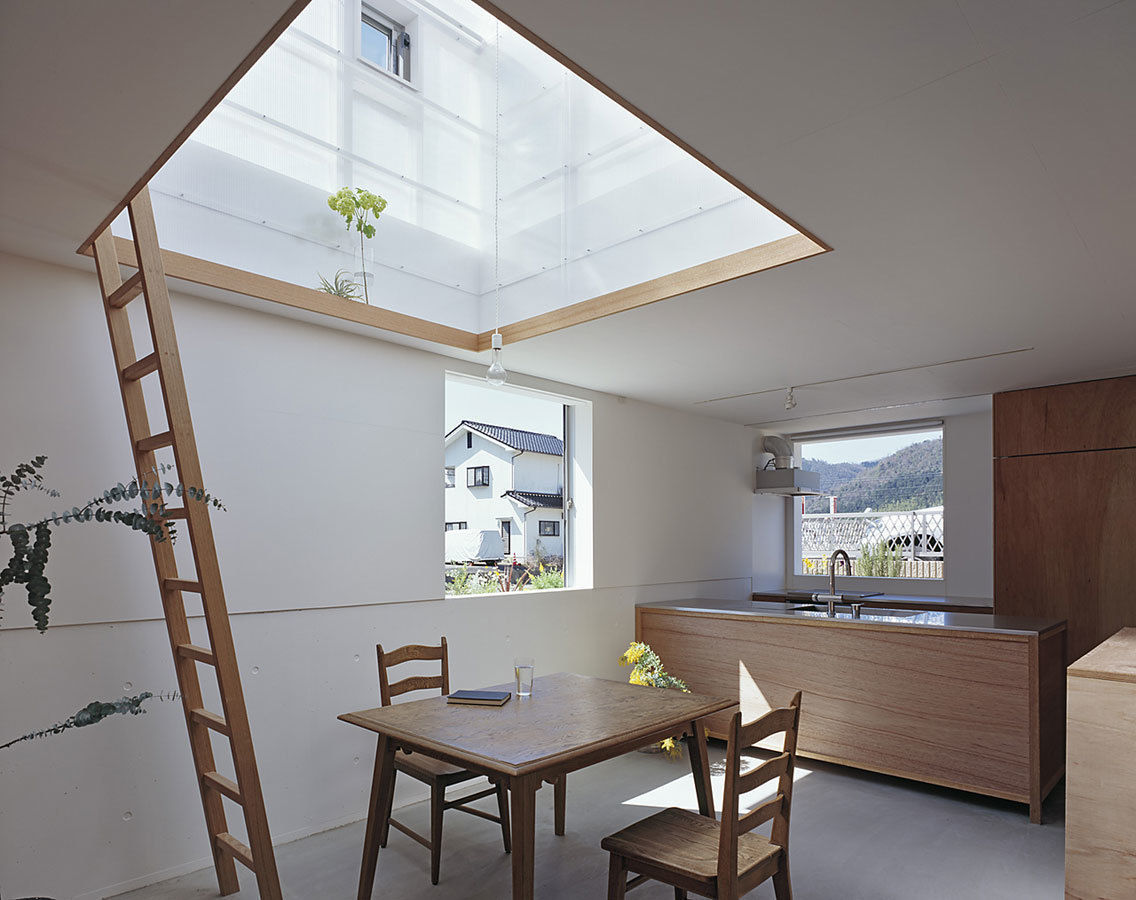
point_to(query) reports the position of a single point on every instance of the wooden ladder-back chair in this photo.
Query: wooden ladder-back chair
(694, 853)
(433, 772)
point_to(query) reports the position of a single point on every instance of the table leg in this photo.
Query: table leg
(700, 767)
(522, 795)
(382, 784)
(560, 803)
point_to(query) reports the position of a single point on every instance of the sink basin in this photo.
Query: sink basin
(816, 609)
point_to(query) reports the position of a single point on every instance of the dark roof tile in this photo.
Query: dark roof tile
(529, 441)
(537, 499)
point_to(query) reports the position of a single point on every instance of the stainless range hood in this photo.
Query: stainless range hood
(785, 478)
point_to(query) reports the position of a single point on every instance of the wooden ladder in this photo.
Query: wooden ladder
(149, 282)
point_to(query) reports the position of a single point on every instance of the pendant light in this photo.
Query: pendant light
(496, 375)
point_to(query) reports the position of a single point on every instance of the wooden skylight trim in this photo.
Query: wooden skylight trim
(249, 284)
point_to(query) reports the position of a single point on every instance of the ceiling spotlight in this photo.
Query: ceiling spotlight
(790, 400)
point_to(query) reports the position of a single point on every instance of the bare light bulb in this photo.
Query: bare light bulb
(496, 375)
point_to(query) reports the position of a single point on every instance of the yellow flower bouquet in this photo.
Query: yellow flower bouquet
(647, 669)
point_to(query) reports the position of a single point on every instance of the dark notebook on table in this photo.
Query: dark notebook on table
(479, 698)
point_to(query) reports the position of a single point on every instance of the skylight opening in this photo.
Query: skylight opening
(398, 97)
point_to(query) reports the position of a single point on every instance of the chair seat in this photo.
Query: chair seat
(427, 768)
(679, 841)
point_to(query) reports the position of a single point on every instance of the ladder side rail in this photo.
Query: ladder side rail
(165, 564)
(201, 539)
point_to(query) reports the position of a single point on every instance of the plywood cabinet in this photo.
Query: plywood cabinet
(1065, 531)
(1100, 789)
(982, 711)
(1066, 418)
(1065, 506)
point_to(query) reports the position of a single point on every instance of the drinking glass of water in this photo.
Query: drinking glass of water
(523, 670)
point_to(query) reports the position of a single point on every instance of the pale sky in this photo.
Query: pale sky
(863, 449)
(500, 406)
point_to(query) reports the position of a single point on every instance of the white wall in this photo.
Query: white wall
(538, 472)
(481, 507)
(548, 545)
(327, 449)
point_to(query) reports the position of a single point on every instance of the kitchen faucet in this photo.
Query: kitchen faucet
(832, 595)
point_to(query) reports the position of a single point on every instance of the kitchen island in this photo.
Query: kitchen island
(965, 700)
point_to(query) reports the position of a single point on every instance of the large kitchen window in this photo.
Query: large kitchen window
(881, 502)
(527, 459)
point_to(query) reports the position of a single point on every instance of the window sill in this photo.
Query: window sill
(922, 587)
(387, 73)
(528, 592)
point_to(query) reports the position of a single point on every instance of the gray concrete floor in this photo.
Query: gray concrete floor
(854, 835)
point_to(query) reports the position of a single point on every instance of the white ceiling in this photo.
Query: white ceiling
(92, 93)
(969, 160)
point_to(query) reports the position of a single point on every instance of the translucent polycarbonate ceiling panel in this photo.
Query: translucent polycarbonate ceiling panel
(591, 199)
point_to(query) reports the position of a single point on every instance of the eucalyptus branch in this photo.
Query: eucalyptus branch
(28, 559)
(96, 711)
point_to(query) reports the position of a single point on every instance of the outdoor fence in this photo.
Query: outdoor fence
(881, 544)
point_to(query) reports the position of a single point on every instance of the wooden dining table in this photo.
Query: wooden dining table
(569, 722)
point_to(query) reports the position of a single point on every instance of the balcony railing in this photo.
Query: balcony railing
(881, 544)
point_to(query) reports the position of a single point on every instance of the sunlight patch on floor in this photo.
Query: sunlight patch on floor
(680, 791)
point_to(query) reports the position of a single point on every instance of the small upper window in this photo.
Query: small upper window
(549, 528)
(384, 43)
(469, 440)
(450, 476)
(477, 476)
(457, 526)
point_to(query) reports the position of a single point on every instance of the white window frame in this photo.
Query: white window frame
(451, 476)
(400, 55)
(925, 587)
(576, 528)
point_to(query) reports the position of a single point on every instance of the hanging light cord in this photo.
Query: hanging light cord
(497, 180)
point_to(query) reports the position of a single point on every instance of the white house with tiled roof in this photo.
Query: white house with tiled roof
(505, 480)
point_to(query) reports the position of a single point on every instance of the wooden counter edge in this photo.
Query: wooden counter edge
(1124, 677)
(757, 616)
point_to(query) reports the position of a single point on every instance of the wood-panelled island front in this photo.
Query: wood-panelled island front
(968, 701)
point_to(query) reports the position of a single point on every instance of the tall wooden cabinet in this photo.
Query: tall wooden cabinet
(1065, 507)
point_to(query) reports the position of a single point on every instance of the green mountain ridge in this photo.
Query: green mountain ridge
(910, 478)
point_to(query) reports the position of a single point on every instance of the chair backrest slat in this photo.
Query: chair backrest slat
(413, 651)
(410, 652)
(773, 722)
(417, 683)
(786, 720)
(761, 814)
(767, 771)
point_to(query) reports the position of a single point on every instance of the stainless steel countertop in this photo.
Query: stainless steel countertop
(931, 620)
(898, 599)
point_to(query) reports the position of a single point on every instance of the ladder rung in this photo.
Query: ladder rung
(222, 785)
(226, 843)
(142, 368)
(210, 720)
(177, 584)
(193, 651)
(127, 291)
(178, 512)
(154, 441)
